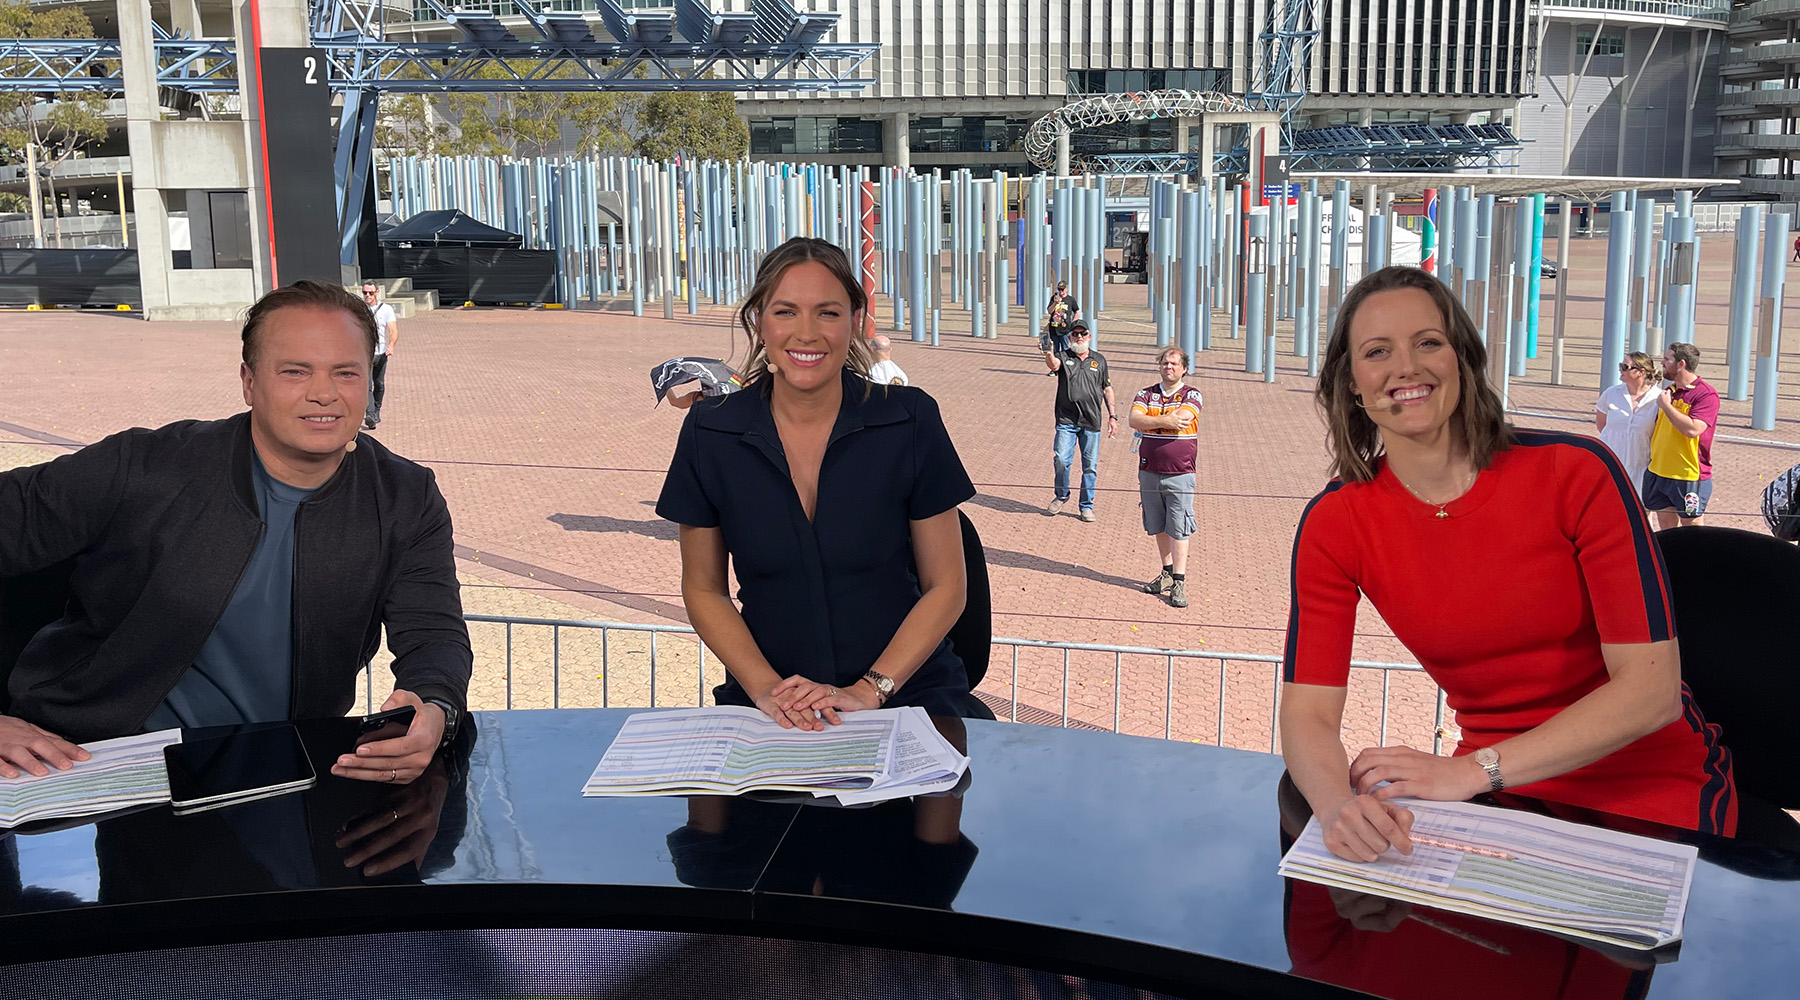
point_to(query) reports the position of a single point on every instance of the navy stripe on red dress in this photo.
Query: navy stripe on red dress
(1659, 603)
(1715, 794)
(1290, 654)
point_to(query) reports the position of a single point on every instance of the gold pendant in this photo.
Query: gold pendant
(1443, 514)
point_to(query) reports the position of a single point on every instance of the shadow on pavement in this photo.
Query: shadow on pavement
(1026, 560)
(658, 529)
(1005, 505)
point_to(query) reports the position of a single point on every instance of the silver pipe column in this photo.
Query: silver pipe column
(1256, 273)
(1615, 327)
(1768, 334)
(1743, 302)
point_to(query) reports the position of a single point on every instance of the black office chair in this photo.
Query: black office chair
(27, 604)
(973, 634)
(1737, 612)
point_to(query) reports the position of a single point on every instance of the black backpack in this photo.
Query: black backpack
(1781, 505)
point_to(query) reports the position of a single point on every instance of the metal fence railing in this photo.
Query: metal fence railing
(1198, 695)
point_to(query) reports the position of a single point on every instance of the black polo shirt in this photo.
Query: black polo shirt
(1081, 390)
(823, 598)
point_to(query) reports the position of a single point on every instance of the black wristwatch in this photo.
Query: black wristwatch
(451, 717)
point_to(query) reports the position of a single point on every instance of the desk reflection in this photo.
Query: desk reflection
(909, 851)
(1402, 951)
(338, 833)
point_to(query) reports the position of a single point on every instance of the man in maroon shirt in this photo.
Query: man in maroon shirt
(1167, 416)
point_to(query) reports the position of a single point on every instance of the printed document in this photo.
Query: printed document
(726, 750)
(1531, 870)
(120, 773)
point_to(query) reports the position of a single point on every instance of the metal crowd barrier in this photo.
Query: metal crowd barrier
(1005, 654)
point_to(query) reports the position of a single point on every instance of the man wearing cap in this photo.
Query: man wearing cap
(1084, 405)
(1058, 315)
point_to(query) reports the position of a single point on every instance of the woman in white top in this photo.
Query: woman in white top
(1626, 414)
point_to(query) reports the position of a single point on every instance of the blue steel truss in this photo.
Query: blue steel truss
(1404, 147)
(774, 48)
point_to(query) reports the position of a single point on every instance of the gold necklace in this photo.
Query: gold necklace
(1441, 514)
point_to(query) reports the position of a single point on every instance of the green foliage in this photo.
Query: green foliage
(692, 124)
(61, 126)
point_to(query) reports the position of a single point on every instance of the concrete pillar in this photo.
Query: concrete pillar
(896, 141)
(186, 17)
(138, 68)
(1208, 137)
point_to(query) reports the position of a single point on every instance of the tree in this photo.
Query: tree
(59, 125)
(701, 125)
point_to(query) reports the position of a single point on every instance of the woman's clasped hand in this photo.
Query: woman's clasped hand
(801, 703)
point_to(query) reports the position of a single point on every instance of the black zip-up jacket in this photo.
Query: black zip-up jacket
(161, 524)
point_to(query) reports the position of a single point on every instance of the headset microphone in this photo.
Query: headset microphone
(1394, 408)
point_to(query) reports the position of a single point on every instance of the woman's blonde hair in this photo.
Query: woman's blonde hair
(1651, 367)
(799, 250)
(1354, 441)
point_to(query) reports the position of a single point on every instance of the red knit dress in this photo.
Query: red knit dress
(1505, 603)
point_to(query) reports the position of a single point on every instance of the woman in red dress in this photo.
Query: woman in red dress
(1516, 565)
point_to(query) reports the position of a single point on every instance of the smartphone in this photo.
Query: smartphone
(390, 725)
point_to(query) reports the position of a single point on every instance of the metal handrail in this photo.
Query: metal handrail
(1062, 717)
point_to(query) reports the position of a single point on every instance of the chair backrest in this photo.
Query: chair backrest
(973, 633)
(27, 604)
(1737, 612)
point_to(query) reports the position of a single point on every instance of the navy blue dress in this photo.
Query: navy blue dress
(824, 598)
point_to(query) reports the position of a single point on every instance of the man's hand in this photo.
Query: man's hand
(24, 746)
(684, 395)
(1112, 426)
(400, 830)
(400, 759)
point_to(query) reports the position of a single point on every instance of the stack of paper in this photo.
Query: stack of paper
(120, 773)
(1520, 868)
(870, 756)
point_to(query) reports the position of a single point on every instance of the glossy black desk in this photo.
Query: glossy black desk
(1133, 861)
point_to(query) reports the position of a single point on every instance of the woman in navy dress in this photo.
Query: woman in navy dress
(834, 499)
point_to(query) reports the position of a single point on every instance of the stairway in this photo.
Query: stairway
(406, 300)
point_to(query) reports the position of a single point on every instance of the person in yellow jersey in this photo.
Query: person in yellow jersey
(1679, 480)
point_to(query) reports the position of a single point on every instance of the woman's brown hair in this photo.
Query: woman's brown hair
(768, 274)
(1479, 421)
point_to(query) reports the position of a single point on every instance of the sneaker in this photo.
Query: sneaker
(1161, 583)
(1056, 506)
(1088, 516)
(1178, 594)
(368, 425)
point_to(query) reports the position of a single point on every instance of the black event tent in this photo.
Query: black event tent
(447, 227)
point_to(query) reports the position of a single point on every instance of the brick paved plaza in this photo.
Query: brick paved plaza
(541, 429)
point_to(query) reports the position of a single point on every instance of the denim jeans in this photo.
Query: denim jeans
(1067, 436)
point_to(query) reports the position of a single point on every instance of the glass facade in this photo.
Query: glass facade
(968, 134)
(1131, 81)
(1157, 136)
(779, 136)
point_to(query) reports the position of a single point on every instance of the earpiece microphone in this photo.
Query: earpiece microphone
(1393, 407)
(350, 447)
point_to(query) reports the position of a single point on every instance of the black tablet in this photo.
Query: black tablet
(223, 770)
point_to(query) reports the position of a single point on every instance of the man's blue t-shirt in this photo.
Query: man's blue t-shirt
(245, 671)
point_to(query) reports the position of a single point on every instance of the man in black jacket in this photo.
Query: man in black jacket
(240, 570)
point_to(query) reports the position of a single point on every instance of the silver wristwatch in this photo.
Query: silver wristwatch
(1489, 759)
(884, 685)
